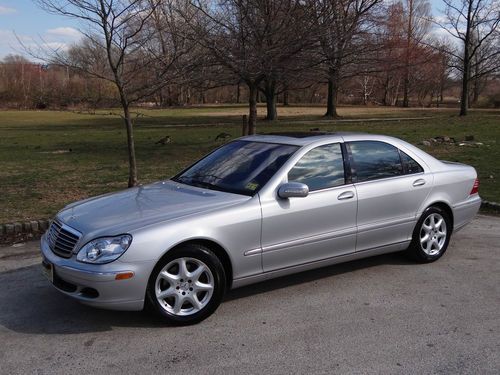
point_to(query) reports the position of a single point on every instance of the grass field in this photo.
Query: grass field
(39, 174)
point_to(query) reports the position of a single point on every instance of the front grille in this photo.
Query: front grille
(62, 239)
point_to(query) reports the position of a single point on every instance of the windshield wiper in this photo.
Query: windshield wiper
(199, 183)
(205, 184)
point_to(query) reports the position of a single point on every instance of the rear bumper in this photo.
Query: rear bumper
(95, 285)
(465, 211)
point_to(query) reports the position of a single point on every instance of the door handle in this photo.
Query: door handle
(345, 195)
(419, 182)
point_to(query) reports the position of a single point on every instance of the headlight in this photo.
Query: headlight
(105, 249)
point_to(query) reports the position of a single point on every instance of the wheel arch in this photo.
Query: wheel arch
(445, 207)
(217, 249)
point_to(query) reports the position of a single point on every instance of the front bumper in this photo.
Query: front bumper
(95, 285)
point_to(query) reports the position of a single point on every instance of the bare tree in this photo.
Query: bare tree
(390, 37)
(340, 25)
(416, 14)
(253, 40)
(365, 83)
(299, 73)
(475, 23)
(172, 43)
(119, 47)
(442, 70)
(483, 66)
(17, 73)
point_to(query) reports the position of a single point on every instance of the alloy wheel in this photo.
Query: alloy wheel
(433, 234)
(184, 286)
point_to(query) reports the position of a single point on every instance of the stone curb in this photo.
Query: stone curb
(493, 206)
(21, 231)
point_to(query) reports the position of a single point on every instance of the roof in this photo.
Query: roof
(300, 138)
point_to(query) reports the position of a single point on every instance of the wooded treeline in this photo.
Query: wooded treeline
(315, 51)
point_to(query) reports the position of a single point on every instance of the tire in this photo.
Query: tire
(186, 285)
(431, 236)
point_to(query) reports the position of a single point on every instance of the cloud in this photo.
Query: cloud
(9, 44)
(34, 48)
(441, 19)
(64, 32)
(55, 46)
(6, 10)
(439, 32)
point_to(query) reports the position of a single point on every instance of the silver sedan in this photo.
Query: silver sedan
(256, 208)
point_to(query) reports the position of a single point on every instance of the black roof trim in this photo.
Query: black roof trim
(299, 134)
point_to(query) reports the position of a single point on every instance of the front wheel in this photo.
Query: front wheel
(187, 285)
(431, 235)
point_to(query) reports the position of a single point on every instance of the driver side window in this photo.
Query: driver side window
(320, 168)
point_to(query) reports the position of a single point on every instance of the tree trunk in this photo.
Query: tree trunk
(169, 96)
(442, 80)
(406, 87)
(244, 125)
(272, 113)
(409, 36)
(476, 88)
(385, 99)
(161, 100)
(333, 87)
(366, 93)
(395, 98)
(406, 84)
(238, 99)
(270, 93)
(285, 97)
(132, 175)
(201, 96)
(464, 101)
(439, 98)
(252, 108)
(261, 98)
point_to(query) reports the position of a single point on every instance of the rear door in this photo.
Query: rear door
(390, 186)
(319, 226)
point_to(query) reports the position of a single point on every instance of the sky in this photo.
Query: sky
(34, 26)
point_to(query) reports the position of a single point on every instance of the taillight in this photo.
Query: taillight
(475, 187)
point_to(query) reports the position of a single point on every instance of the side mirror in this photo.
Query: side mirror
(293, 190)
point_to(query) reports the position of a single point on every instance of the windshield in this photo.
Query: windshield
(238, 167)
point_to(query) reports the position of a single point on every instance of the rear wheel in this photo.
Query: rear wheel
(431, 235)
(187, 285)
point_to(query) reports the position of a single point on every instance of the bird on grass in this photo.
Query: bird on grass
(164, 140)
(222, 137)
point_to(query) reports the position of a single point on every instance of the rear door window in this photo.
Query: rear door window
(373, 160)
(410, 165)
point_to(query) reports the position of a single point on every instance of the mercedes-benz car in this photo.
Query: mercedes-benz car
(256, 208)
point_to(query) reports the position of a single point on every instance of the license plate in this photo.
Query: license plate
(48, 270)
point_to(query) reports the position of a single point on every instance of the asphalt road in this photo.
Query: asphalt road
(380, 315)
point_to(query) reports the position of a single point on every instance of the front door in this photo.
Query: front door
(322, 225)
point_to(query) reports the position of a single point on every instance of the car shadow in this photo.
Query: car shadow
(30, 305)
(316, 274)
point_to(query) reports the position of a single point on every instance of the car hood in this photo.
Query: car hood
(124, 211)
